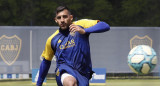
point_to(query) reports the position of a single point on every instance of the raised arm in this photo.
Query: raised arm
(97, 28)
(86, 26)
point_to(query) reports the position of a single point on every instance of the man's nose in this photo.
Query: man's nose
(62, 19)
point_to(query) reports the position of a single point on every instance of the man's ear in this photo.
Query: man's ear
(55, 20)
(71, 16)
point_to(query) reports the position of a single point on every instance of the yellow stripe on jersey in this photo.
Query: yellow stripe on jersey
(48, 52)
(86, 23)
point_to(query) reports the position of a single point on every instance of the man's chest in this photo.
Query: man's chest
(61, 42)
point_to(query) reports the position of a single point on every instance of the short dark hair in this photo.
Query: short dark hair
(61, 8)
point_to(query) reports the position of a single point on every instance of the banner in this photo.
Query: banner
(21, 47)
(98, 77)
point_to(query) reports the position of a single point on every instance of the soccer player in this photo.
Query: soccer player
(70, 45)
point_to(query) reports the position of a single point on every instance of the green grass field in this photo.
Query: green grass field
(114, 82)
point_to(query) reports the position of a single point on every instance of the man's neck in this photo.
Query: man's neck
(64, 31)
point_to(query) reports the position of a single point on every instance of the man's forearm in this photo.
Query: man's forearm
(99, 27)
(44, 67)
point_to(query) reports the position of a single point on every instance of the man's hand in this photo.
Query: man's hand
(75, 28)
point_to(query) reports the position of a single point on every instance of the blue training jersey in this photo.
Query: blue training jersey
(73, 50)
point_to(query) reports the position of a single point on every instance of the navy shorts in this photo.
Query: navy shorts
(81, 79)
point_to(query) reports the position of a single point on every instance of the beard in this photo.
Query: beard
(64, 26)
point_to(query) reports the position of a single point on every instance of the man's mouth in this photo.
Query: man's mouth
(63, 25)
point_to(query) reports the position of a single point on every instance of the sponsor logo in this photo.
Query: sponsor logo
(68, 44)
(59, 41)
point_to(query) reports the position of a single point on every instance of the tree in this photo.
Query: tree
(140, 13)
(114, 12)
(102, 10)
(15, 12)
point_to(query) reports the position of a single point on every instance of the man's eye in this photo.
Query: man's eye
(58, 17)
(65, 16)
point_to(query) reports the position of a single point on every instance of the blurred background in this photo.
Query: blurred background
(115, 12)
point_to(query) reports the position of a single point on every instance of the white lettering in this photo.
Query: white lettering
(95, 76)
(9, 47)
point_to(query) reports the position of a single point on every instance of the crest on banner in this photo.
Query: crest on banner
(137, 40)
(10, 48)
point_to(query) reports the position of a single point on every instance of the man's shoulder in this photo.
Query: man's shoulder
(86, 22)
(82, 20)
(53, 35)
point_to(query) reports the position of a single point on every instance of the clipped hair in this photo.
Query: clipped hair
(61, 8)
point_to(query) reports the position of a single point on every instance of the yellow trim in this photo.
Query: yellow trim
(57, 73)
(48, 53)
(86, 23)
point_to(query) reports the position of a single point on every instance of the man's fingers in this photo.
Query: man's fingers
(71, 27)
(73, 30)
